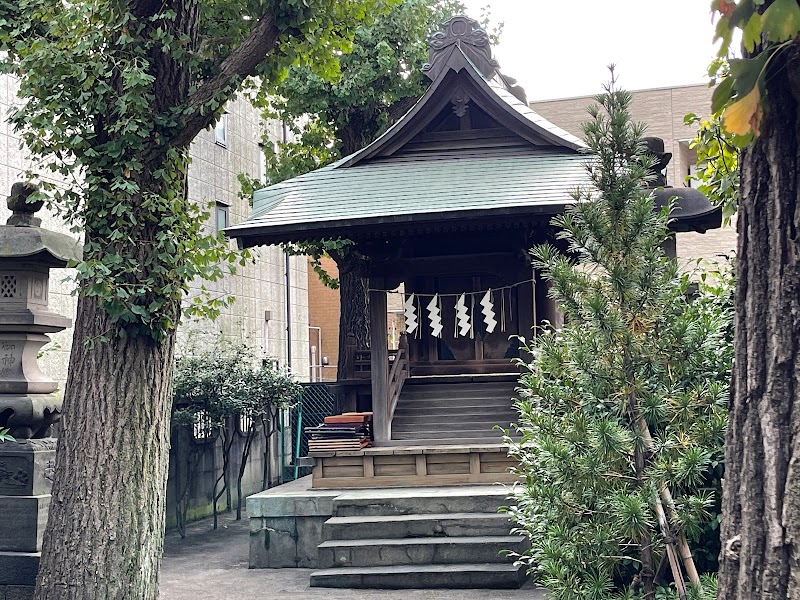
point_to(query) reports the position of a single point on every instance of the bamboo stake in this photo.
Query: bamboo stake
(683, 546)
(672, 555)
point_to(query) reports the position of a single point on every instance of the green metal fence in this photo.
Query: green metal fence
(316, 402)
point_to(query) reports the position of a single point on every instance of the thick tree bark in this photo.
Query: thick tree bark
(354, 303)
(760, 556)
(105, 530)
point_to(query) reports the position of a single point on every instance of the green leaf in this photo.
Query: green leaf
(742, 13)
(722, 94)
(723, 32)
(781, 21)
(747, 72)
(751, 32)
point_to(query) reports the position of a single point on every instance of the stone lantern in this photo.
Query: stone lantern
(28, 407)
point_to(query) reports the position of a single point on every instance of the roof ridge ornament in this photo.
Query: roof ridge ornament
(466, 34)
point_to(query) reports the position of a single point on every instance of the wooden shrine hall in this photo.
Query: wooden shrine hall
(445, 206)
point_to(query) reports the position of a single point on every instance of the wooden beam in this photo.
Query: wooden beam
(379, 361)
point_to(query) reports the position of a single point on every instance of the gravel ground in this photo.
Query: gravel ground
(212, 565)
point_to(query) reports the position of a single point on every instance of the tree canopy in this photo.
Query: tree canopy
(113, 93)
(380, 80)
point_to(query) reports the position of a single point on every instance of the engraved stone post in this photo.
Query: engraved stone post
(27, 404)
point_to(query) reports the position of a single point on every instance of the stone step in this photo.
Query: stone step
(409, 526)
(466, 576)
(409, 501)
(417, 551)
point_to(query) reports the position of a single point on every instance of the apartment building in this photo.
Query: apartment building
(271, 309)
(663, 111)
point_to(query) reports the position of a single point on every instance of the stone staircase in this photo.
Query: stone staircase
(454, 409)
(419, 538)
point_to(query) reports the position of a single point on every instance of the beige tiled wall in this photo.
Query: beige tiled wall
(662, 110)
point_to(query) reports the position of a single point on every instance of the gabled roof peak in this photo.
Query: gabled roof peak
(466, 34)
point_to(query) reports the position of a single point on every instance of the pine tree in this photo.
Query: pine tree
(622, 411)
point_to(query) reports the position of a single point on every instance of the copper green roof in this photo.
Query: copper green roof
(516, 166)
(393, 191)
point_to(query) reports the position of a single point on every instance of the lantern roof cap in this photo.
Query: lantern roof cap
(23, 238)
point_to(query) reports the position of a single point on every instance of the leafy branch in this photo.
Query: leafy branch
(769, 30)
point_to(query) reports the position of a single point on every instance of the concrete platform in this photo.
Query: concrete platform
(286, 522)
(387, 538)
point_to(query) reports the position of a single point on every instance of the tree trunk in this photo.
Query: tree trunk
(105, 531)
(354, 302)
(248, 442)
(760, 532)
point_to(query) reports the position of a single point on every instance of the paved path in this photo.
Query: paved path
(212, 565)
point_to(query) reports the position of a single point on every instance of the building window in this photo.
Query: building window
(222, 215)
(221, 131)
(694, 171)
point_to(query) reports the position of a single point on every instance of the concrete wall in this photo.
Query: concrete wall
(194, 466)
(662, 110)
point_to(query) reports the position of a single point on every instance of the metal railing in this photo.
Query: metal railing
(315, 403)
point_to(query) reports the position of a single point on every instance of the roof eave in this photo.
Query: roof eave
(248, 236)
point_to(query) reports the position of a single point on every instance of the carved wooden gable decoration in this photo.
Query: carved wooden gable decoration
(469, 105)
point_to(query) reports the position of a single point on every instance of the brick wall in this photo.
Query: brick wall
(323, 312)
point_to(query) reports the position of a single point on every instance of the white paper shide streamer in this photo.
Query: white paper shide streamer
(462, 316)
(410, 311)
(435, 316)
(488, 312)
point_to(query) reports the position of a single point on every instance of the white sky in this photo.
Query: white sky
(558, 49)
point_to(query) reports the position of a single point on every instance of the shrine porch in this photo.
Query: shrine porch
(402, 464)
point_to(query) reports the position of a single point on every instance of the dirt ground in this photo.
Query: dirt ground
(212, 565)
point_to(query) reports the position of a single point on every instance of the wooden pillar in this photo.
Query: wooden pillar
(670, 246)
(379, 361)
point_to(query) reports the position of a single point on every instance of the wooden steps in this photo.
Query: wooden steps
(450, 410)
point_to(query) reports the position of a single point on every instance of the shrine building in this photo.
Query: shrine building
(445, 206)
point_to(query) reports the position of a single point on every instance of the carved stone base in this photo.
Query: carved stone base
(29, 415)
(26, 472)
